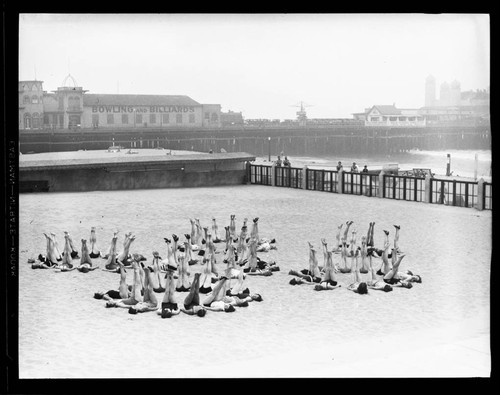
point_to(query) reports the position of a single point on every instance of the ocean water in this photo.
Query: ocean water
(462, 162)
(450, 247)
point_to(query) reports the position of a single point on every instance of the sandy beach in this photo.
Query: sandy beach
(439, 328)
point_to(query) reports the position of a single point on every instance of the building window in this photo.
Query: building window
(36, 120)
(124, 119)
(402, 118)
(166, 118)
(374, 119)
(152, 118)
(110, 119)
(61, 121)
(178, 118)
(215, 117)
(34, 99)
(191, 118)
(73, 103)
(411, 118)
(95, 120)
(138, 118)
(207, 116)
(61, 103)
(393, 119)
(26, 100)
(46, 120)
(27, 121)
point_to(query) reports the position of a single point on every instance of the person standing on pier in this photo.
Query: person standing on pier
(354, 168)
(339, 166)
(278, 161)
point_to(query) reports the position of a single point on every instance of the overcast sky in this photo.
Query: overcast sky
(260, 64)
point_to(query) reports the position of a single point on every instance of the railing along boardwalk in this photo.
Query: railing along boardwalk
(472, 194)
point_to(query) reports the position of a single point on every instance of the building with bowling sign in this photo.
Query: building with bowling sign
(71, 107)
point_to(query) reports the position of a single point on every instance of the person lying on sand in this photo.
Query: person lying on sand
(73, 251)
(232, 226)
(310, 275)
(344, 268)
(385, 265)
(149, 302)
(214, 301)
(328, 279)
(85, 261)
(183, 283)
(94, 251)
(215, 231)
(207, 275)
(358, 285)
(400, 279)
(254, 233)
(124, 291)
(374, 283)
(52, 256)
(251, 267)
(156, 278)
(66, 264)
(56, 247)
(135, 296)
(346, 230)
(124, 256)
(192, 304)
(111, 264)
(169, 306)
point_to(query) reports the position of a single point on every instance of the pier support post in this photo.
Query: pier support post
(480, 195)
(428, 189)
(304, 178)
(273, 172)
(381, 184)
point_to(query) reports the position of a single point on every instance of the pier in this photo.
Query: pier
(298, 141)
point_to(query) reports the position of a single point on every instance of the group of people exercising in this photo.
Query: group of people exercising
(361, 262)
(172, 275)
(225, 291)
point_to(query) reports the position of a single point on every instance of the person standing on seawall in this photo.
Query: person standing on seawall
(354, 168)
(339, 166)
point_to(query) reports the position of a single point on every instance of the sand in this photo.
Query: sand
(439, 328)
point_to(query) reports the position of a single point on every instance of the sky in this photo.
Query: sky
(263, 65)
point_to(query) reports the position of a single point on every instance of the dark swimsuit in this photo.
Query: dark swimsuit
(113, 294)
(392, 281)
(205, 290)
(159, 290)
(182, 288)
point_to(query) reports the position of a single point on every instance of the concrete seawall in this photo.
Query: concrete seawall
(133, 172)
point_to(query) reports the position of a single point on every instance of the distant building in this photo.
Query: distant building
(452, 106)
(231, 118)
(71, 107)
(389, 115)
